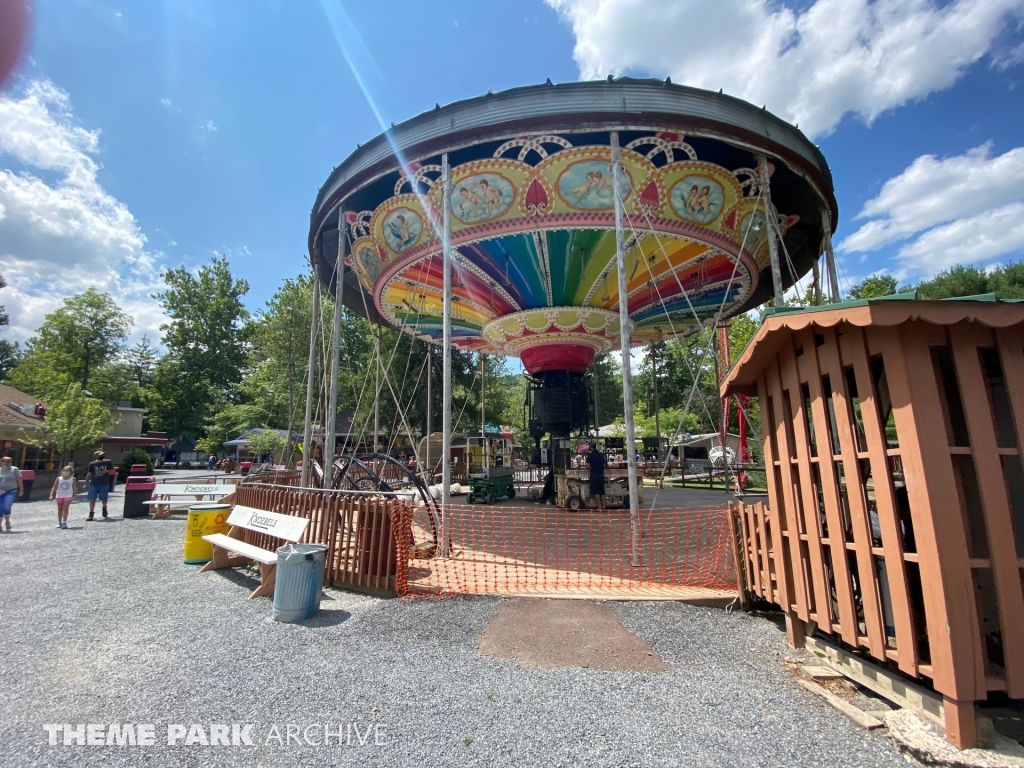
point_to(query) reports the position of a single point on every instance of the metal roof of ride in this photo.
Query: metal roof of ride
(624, 102)
(724, 129)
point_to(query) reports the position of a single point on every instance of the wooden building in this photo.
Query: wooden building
(892, 438)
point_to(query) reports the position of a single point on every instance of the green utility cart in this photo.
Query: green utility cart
(490, 468)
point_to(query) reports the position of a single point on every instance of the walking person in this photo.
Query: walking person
(10, 488)
(64, 490)
(596, 461)
(98, 479)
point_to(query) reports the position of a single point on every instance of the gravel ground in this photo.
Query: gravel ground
(104, 624)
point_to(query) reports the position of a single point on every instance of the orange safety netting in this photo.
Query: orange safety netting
(543, 549)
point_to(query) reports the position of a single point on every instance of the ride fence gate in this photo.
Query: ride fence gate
(892, 439)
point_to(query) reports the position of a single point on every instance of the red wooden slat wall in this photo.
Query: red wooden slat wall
(938, 611)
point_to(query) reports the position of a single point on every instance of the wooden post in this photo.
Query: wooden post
(961, 723)
(794, 630)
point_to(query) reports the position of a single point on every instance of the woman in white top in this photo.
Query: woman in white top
(64, 490)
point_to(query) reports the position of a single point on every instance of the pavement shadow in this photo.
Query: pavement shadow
(326, 618)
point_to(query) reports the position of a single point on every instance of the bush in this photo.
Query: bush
(137, 456)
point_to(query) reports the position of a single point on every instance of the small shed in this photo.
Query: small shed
(892, 440)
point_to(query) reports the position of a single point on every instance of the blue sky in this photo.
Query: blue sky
(141, 135)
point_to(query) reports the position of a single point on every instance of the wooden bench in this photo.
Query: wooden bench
(232, 549)
(171, 497)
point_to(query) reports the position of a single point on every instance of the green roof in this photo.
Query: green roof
(904, 296)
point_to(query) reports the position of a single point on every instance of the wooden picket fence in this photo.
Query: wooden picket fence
(362, 533)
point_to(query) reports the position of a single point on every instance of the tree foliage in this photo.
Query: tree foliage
(206, 347)
(79, 343)
(72, 421)
(137, 456)
(266, 442)
(1006, 282)
(9, 352)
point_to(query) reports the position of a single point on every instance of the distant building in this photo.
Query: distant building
(21, 413)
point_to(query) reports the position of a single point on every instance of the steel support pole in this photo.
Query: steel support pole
(307, 425)
(330, 435)
(376, 398)
(446, 378)
(773, 247)
(816, 289)
(427, 466)
(654, 385)
(830, 258)
(483, 418)
(627, 373)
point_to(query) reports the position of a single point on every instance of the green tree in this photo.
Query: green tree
(137, 456)
(267, 441)
(9, 352)
(874, 286)
(206, 347)
(141, 360)
(607, 372)
(10, 355)
(72, 421)
(1005, 281)
(230, 422)
(87, 333)
(279, 335)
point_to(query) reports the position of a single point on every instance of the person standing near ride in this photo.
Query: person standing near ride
(596, 461)
(98, 478)
(64, 490)
(10, 488)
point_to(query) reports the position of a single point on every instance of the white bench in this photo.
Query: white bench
(171, 497)
(231, 549)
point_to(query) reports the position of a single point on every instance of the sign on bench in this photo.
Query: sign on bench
(193, 489)
(257, 521)
(163, 496)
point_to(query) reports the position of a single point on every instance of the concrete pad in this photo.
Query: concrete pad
(566, 633)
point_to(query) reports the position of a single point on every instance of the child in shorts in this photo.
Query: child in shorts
(64, 490)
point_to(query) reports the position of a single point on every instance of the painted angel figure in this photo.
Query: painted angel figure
(469, 195)
(491, 194)
(399, 229)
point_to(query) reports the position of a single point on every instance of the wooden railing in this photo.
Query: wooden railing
(362, 533)
(280, 477)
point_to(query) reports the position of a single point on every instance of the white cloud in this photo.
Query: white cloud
(969, 240)
(60, 230)
(963, 209)
(165, 101)
(811, 66)
(209, 127)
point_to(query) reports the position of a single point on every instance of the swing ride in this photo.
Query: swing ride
(554, 223)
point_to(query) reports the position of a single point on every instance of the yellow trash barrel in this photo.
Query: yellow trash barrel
(204, 520)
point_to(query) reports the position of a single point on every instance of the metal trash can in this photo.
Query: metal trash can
(137, 489)
(299, 581)
(28, 477)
